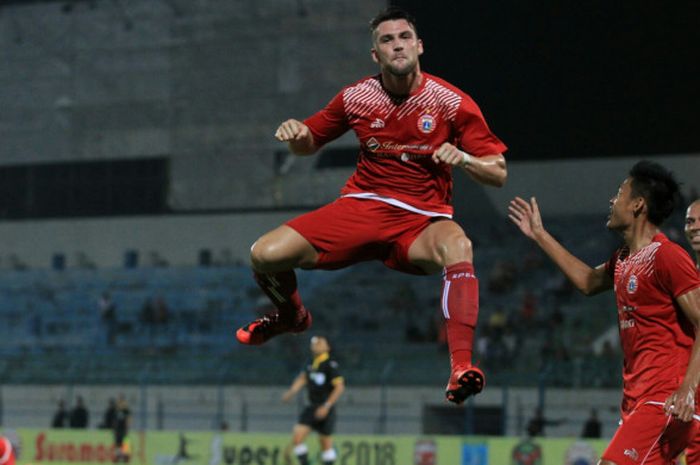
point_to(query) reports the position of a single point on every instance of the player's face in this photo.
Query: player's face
(692, 225)
(622, 207)
(396, 47)
(319, 345)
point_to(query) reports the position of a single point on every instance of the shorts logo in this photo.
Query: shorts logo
(378, 123)
(426, 123)
(632, 285)
(632, 453)
(372, 144)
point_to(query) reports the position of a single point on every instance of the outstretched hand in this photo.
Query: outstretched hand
(526, 216)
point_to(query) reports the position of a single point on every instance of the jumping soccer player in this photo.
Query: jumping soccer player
(325, 386)
(413, 129)
(657, 291)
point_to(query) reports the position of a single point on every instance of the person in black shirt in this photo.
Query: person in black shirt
(60, 418)
(535, 427)
(79, 416)
(122, 419)
(109, 415)
(325, 385)
(592, 427)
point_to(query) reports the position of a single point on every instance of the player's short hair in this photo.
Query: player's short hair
(322, 336)
(392, 13)
(658, 187)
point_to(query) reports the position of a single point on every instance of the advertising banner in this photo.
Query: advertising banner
(64, 447)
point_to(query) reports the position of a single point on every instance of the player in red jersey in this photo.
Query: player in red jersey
(692, 233)
(692, 229)
(7, 453)
(657, 291)
(413, 129)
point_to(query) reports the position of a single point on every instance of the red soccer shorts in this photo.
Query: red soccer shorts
(352, 230)
(692, 452)
(649, 437)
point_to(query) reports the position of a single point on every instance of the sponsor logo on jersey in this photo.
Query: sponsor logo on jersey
(372, 144)
(317, 377)
(626, 324)
(378, 123)
(632, 285)
(426, 123)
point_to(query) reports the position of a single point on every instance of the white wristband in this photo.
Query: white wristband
(466, 159)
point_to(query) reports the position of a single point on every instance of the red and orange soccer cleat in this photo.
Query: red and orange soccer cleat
(465, 381)
(268, 326)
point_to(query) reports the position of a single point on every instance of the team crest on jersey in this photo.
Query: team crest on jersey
(426, 123)
(632, 285)
(372, 144)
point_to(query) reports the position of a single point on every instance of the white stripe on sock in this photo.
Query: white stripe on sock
(445, 292)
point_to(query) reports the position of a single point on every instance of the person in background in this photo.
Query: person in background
(60, 418)
(122, 421)
(79, 415)
(692, 234)
(592, 427)
(325, 385)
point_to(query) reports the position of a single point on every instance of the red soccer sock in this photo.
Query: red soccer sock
(460, 306)
(282, 290)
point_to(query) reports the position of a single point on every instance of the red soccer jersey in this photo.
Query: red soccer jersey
(656, 336)
(398, 137)
(7, 454)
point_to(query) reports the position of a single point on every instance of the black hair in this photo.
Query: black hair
(658, 187)
(392, 13)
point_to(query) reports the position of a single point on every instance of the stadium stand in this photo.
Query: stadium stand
(381, 323)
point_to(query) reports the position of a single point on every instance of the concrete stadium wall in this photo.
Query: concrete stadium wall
(575, 187)
(202, 83)
(259, 409)
(104, 241)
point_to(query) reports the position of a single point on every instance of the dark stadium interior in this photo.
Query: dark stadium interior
(585, 79)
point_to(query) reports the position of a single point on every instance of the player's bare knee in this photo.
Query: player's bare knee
(455, 248)
(262, 255)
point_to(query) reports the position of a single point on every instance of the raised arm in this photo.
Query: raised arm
(297, 136)
(586, 279)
